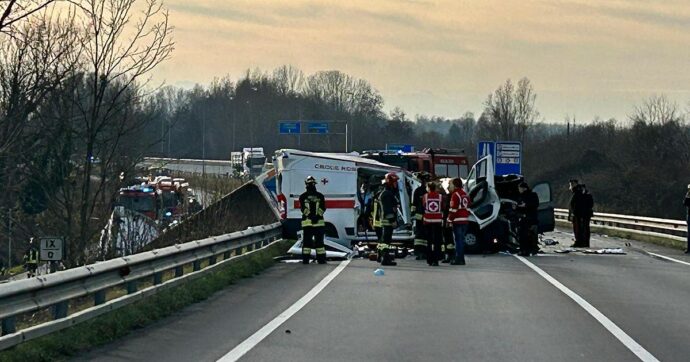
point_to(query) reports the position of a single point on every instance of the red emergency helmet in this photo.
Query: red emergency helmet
(392, 179)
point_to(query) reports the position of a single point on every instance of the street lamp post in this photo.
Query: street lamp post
(233, 123)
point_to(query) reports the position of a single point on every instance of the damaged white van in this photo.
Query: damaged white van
(493, 222)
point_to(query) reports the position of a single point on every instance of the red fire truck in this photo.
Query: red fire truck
(139, 198)
(438, 162)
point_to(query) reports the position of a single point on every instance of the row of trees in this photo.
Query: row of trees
(638, 165)
(227, 116)
(73, 96)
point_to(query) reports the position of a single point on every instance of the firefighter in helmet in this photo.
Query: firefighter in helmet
(417, 212)
(313, 206)
(388, 206)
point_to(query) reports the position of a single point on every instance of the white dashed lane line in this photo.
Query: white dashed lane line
(630, 343)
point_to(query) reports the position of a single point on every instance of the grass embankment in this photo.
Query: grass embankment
(118, 323)
(624, 234)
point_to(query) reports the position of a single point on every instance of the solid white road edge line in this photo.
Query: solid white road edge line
(630, 343)
(669, 258)
(249, 343)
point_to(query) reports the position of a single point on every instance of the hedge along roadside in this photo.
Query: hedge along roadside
(654, 238)
(120, 322)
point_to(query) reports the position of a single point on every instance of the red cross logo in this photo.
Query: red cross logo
(324, 181)
(433, 206)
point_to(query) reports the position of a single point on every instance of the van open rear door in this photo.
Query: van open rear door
(547, 220)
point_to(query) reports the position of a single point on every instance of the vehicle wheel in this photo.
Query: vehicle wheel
(472, 240)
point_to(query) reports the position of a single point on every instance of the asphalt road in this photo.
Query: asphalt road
(496, 308)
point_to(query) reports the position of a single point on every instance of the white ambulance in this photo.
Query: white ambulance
(340, 177)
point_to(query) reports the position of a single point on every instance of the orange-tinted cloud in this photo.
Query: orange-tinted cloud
(443, 57)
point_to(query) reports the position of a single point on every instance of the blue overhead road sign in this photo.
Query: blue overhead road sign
(317, 127)
(289, 127)
(395, 147)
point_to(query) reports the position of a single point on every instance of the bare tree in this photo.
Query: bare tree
(14, 11)
(288, 79)
(657, 110)
(44, 52)
(512, 110)
(123, 47)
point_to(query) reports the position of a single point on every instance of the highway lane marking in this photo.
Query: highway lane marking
(669, 258)
(630, 343)
(251, 342)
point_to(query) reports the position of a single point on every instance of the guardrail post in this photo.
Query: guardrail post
(179, 271)
(226, 255)
(9, 325)
(196, 265)
(60, 310)
(132, 287)
(157, 278)
(99, 297)
(212, 260)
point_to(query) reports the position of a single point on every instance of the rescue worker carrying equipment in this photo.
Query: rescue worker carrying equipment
(433, 221)
(31, 259)
(458, 216)
(416, 210)
(388, 206)
(313, 206)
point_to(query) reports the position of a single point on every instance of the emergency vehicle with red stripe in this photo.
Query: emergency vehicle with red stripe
(339, 178)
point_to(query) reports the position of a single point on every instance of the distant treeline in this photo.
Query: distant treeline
(635, 166)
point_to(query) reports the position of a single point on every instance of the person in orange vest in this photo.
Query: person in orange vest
(458, 215)
(433, 222)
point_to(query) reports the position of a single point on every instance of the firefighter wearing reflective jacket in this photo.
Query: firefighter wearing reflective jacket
(458, 216)
(376, 212)
(417, 212)
(433, 221)
(388, 206)
(313, 206)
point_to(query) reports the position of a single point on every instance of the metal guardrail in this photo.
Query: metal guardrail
(672, 229)
(56, 291)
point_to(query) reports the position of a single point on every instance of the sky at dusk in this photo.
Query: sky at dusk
(584, 58)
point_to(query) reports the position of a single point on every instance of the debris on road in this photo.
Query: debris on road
(379, 272)
(550, 242)
(614, 251)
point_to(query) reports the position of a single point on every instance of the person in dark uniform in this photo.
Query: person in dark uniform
(388, 203)
(417, 212)
(528, 207)
(433, 221)
(587, 214)
(313, 206)
(577, 213)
